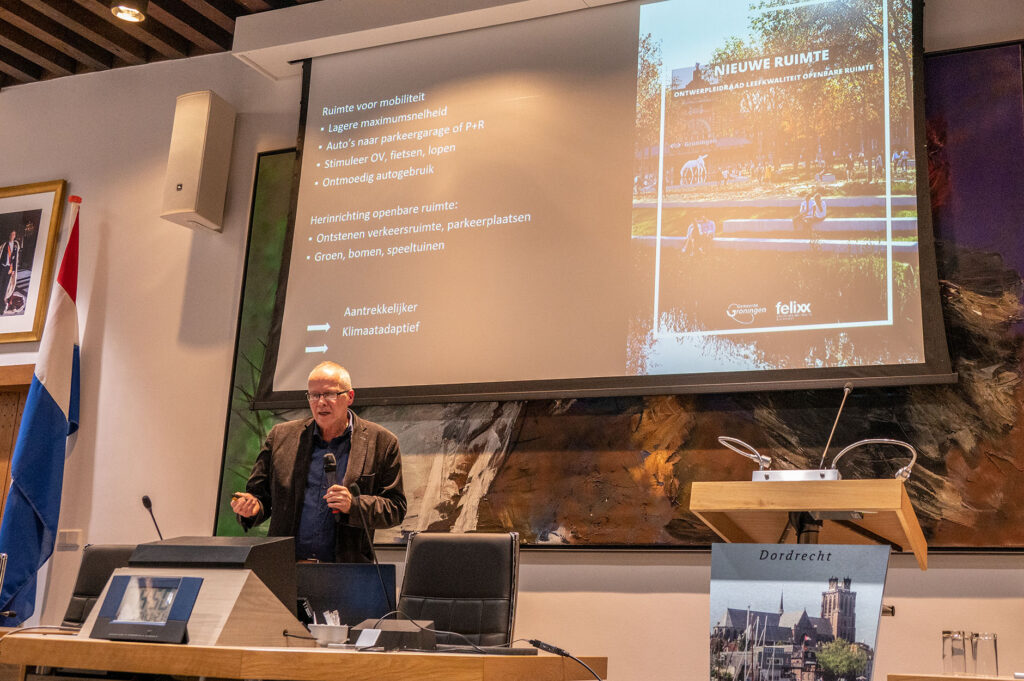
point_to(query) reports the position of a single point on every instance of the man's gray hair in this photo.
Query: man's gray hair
(334, 368)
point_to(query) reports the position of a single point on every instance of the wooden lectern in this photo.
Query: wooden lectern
(850, 511)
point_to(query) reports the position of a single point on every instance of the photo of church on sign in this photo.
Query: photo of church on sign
(818, 629)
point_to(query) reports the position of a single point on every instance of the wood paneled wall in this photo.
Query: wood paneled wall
(14, 383)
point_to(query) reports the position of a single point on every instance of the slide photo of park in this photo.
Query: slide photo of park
(802, 612)
(774, 188)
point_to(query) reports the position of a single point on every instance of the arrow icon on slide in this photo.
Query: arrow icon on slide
(318, 327)
(316, 348)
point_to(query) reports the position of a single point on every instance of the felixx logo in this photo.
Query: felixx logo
(792, 309)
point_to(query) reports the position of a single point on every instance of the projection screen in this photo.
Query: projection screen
(631, 199)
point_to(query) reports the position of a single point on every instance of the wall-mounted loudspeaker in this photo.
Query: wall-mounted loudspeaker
(197, 165)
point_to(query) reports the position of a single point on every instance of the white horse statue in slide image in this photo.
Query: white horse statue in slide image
(694, 171)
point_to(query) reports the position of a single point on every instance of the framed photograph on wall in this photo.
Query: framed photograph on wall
(30, 217)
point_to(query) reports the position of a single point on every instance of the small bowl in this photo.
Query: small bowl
(326, 634)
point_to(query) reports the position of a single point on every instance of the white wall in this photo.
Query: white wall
(158, 307)
(157, 302)
(952, 24)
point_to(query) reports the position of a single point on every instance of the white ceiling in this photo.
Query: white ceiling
(272, 41)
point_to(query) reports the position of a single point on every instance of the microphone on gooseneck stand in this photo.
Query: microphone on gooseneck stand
(331, 473)
(149, 507)
(354, 489)
(847, 389)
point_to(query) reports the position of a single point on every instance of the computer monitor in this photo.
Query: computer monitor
(353, 589)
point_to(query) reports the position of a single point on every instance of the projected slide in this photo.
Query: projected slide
(464, 208)
(677, 187)
(774, 194)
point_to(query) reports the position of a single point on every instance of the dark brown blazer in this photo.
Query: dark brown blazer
(278, 480)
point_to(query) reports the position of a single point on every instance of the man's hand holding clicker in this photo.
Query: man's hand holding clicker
(245, 504)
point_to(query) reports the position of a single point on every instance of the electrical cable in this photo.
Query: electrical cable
(555, 650)
(354, 490)
(48, 629)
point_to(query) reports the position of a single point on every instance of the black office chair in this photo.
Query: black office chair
(98, 562)
(465, 583)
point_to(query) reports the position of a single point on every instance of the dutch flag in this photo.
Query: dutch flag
(29, 526)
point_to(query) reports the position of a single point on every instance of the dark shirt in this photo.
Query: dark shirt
(315, 539)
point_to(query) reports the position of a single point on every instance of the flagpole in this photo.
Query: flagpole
(76, 205)
(43, 575)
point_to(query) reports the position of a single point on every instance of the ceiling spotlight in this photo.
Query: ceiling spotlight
(129, 10)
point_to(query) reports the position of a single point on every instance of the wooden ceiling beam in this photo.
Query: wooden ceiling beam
(195, 28)
(220, 12)
(158, 37)
(42, 39)
(19, 68)
(56, 35)
(252, 6)
(88, 25)
(35, 50)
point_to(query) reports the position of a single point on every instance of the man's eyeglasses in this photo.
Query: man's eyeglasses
(330, 397)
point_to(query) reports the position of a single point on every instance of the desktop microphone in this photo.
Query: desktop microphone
(331, 473)
(149, 507)
(354, 489)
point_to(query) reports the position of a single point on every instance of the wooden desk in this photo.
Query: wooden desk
(9, 672)
(942, 677)
(286, 664)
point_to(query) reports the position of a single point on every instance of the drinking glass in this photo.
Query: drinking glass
(954, 653)
(983, 652)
